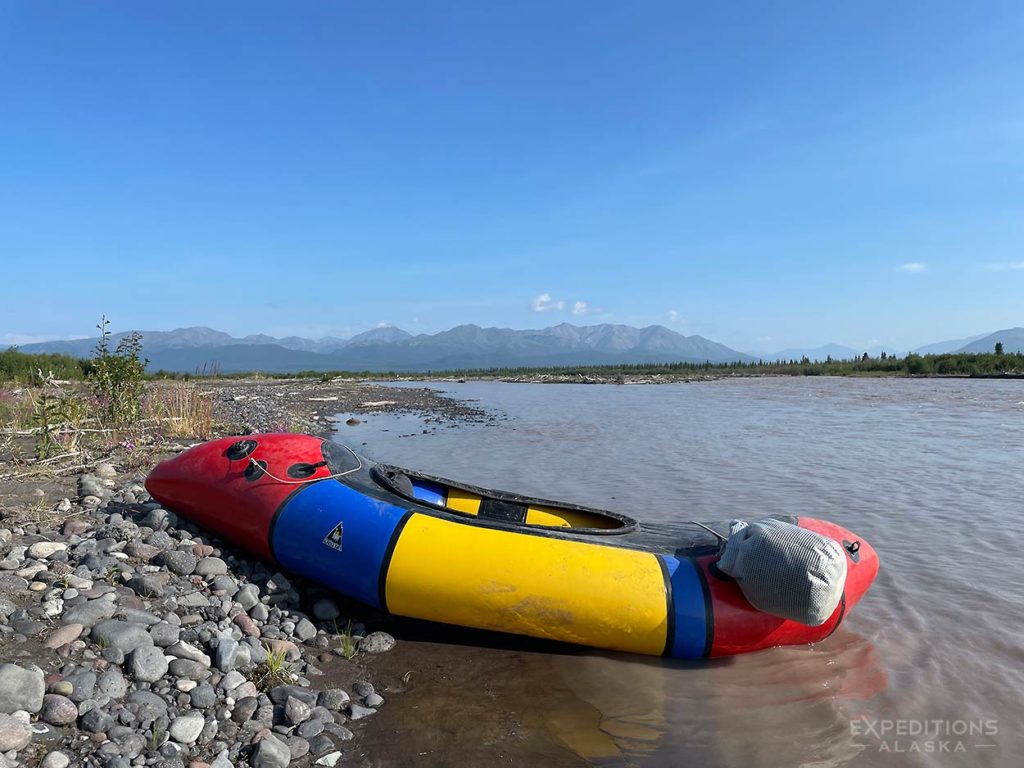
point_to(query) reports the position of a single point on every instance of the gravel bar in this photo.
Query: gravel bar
(129, 637)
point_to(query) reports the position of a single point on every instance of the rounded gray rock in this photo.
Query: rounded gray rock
(209, 732)
(186, 728)
(176, 561)
(61, 688)
(248, 596)
(161, 540)
(310, 728)
(296, 712)
(14, 734)
(281, 693)
(211, 566)
(184, 650)
(334, 699)
(203, 696)
(96, 721)
(377, 642)
(112, 683)
(227, 652)
(154, 518)
(147, 585)
(147, 705)
(20, 688)
(231, 681)
(305, 630)
(164, 634)
(121, 635)
(340, 732)
(148, 664)
(271, 752)
(55, 759)
(358, 712)
(244, 709)
(192, 670)
(41, 550)
(83, 685)
(58, 710)
(298, 747)
(113, 655)
(89, 614)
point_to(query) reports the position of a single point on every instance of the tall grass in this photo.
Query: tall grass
(16, 408)
(274, 671)
(184, 409)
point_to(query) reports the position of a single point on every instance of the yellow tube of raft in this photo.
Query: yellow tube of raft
(546, 587)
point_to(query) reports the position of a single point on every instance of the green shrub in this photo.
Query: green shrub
(117, 376)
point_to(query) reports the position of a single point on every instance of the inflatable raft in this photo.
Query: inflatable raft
(428, 548)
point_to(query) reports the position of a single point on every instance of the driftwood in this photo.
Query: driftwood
(55, 471)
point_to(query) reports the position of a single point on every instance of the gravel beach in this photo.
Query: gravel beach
(129, 637)
(302, 405)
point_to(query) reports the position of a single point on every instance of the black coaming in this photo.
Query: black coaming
(679, 538)
(396, 480)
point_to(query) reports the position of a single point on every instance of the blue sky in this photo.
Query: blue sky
(763, 174)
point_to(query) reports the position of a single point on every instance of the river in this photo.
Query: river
(927, 670)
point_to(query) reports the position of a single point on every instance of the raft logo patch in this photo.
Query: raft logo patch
(333, 539)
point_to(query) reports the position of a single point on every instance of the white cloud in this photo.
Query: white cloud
(913, 267)
(1006, 266)
(544, 303)
(383, 324)
(9, 339)
(580, 308)
(672, 316)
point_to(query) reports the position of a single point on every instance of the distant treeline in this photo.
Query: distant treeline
(912, 365)
(19, 366)
(25, 368)
(988, 364)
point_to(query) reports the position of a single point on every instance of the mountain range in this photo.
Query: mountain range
(392, 349)
(1012, 340)
(388, 348)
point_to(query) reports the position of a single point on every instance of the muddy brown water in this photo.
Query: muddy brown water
(928, 669)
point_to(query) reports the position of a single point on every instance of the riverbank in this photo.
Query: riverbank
(130, 636)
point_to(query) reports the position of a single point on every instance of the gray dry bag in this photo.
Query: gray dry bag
(785, 570)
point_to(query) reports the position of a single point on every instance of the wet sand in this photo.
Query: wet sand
(466, 697)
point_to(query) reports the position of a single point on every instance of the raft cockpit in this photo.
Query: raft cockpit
(498, 506)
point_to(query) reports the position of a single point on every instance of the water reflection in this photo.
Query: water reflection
(736, 711)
